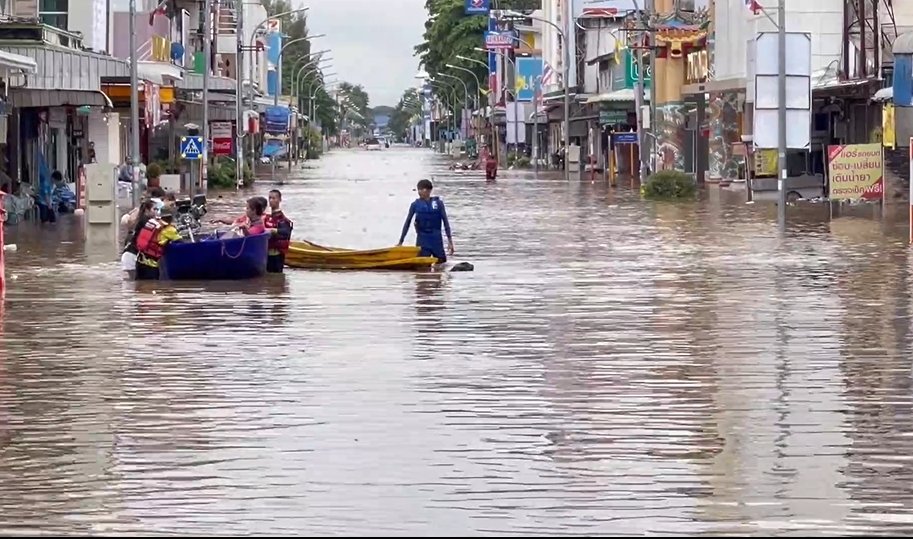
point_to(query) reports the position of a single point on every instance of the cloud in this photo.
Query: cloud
(372, 42)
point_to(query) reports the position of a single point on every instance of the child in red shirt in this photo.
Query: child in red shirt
(255, 210)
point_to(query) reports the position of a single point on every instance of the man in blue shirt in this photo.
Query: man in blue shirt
(430, 214)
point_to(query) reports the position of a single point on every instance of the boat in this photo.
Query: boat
(215, 257)
(307, 255)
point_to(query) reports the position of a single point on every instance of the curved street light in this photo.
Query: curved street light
(239, 86)
(504, 14)
(313, 64)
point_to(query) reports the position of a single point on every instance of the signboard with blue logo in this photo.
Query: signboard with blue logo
(477, 7)
(191, 148)
(276, 120)
(500, 39)
(625, 138)
(528, 70)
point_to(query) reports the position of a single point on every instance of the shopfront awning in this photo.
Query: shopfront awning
(159, 72)
(61, 69)
(9, 60)
(262, 102)
(27, 97)
(618, 96)
(713, 86)
(883, 95)
(194, 81)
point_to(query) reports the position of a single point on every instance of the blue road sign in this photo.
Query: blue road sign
(191, 148)
(624, 138)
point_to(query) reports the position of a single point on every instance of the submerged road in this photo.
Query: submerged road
(611, 367)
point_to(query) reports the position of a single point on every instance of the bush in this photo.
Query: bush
(153, 173)
(166, 167)
(669, 184)
(315, 144)
(522, 162)
(221, 174)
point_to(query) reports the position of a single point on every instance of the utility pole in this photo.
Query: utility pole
(781, 114)
(239, 92)
(640, 34)
(134, 107)
(207, 69)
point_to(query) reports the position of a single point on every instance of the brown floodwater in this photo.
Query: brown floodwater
(611, 366)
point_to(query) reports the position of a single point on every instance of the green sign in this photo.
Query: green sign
(612, 117)
(631, 74)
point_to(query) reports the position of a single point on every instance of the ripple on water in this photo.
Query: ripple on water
(611, 367)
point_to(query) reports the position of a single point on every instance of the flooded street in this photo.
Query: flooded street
(611, 367)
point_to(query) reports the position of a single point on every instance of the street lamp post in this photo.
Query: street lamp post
(207, 73)
(134, 106)
(501, 15)
(296, 75)
(448, 91)
(475, 96)
(491, 108)
(325, 81)
(465, 90)
(253, 36)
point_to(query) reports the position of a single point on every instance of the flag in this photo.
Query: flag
(547, 73)
(754, 6)
(161, 9)
(618, 49)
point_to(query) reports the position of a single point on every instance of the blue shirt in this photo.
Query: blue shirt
(429, 216)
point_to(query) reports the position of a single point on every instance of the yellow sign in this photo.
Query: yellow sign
(888, 136)
(765, 163)
(856, 172)
(161, 49)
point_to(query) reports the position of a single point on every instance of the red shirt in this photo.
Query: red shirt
(256, 228)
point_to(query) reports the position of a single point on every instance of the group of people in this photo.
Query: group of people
(152, 229)
(152, 226)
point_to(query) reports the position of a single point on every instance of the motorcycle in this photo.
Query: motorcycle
(189, 215)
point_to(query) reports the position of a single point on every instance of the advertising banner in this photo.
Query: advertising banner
(221, 134)
(528, 70)
(856, 172)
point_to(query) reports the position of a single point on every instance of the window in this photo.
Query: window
(57, 6)
(57, 20)
(54, 13)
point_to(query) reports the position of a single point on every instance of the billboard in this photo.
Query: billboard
(528, 71)
(798, 90)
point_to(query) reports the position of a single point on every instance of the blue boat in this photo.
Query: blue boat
(213, 258)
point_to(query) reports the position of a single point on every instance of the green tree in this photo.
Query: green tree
(354, 107)
(406, 111)
(450, 33)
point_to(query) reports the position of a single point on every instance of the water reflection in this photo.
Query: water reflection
(611, 367)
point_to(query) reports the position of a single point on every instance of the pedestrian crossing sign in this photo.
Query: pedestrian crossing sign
(191, 148)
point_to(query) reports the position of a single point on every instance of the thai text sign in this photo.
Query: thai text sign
(856, 171)
(498, 40)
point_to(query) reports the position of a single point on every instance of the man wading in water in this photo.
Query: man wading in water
(430, 214)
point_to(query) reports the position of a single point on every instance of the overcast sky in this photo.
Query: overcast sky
(372, 42)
